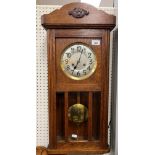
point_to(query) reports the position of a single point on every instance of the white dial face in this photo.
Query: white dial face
(78, 61)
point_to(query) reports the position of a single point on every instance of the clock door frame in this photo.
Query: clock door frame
(70, 26)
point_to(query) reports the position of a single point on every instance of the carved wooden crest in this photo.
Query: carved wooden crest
(78, 12)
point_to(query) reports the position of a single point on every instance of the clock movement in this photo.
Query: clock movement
(78, 41)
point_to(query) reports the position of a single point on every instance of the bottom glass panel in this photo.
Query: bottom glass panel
(77, 116)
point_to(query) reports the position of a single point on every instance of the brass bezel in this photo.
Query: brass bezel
(71, 76)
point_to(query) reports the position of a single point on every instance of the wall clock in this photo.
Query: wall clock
(78, 41)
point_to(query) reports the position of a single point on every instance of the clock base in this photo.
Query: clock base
(41, 150)
(79, 148)
(79, 151)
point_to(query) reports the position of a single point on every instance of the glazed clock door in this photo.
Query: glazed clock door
(78, 84)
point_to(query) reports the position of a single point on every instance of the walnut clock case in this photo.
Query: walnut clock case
(78, 39)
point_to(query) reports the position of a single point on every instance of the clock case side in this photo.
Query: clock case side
(57, 21)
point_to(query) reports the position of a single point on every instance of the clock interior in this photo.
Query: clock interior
(78, 130)
(78, 91)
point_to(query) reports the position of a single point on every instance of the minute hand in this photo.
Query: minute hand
(78, 60)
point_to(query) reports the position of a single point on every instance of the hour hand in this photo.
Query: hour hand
(77, 64)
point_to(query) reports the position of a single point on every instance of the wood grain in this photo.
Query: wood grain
(40, 150)
(105, 88)
(66, 116)
(62, 79)
(62, 31)
(80, 33)
(79, 147)
(51, 88)
(90, 116)
(61, 19)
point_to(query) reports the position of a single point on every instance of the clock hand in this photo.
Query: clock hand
(78, 60)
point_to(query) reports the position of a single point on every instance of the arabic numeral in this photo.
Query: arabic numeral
(88, 68)
(84, 72)
(72, 71)
(68, 55)
(66, 61)
(90, 61)
(79, 48)
(78, 73)
(72, 49)
(68, 67)
(89, 55)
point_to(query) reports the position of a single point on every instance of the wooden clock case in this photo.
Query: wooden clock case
(78, 23)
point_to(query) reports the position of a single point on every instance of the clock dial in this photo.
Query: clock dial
(78, 61)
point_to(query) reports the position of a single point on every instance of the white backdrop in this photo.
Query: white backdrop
(42, 76)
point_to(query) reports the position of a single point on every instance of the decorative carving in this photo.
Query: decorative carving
(78, 12)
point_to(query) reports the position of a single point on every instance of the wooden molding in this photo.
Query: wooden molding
(41, 150)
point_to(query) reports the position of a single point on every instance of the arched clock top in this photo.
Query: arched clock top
(78, 15)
